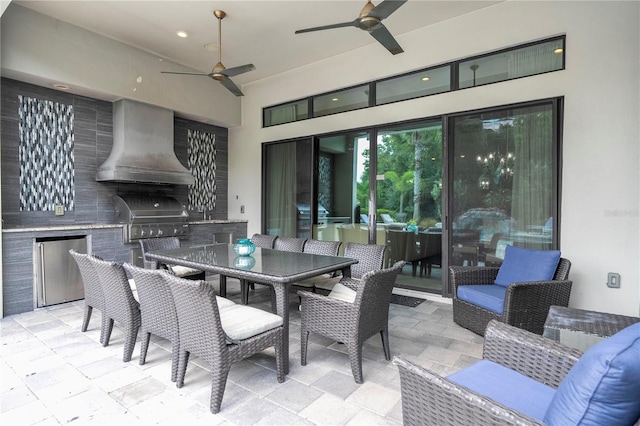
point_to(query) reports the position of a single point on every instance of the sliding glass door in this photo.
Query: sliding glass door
(504, 183)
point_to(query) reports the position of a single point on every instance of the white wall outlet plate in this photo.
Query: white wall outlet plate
(59, 210)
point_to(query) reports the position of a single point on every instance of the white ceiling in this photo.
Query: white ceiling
(259, 31)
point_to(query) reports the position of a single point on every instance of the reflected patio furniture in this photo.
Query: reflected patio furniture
(352, 316)
(157, 311)
(93, 293)
(412, 251)
(430, 251)
(524, 304)
(166, 243)
(246, 331)
(397, 246)
(120, 304)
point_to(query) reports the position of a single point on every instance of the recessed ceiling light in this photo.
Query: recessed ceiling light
(60, 86)
(211, 46)
(425, 78)
(334, 100)
(182, 34)
(558, 50)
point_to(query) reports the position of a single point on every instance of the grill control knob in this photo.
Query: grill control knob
(151, 232)
(160, 232)
(142, 232)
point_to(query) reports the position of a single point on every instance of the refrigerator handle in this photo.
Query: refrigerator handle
(42, 278)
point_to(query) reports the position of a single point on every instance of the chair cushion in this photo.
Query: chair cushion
(327, 283)
(343, 292)
(183, 271)
(506, 386)
(603, 387)
(240, 322)
(223, 302)
(490, 297)
(522, 265)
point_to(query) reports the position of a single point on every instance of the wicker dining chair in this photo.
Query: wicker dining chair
(157, 311)
(167, 243)
(246, 332)
(351, 317)
(93, 294)
(370, 258)
(526, 304)
(120, 304)
(326, 248)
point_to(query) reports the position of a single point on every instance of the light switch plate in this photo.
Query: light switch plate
(59, 210)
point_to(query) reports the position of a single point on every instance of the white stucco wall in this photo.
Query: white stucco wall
(600, 228)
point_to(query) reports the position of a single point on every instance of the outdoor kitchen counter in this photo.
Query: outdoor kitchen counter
(74, 227)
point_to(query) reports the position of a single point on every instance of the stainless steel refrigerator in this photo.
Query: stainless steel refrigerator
(58, 279)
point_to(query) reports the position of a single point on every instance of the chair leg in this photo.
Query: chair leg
(279, 358)
(304, 339)
(355, 358)
(144, 346)
(103, 327)
(107, 331)
(244, 292)
(218, 383)
(384, 333)
(175, 353)
(183, 361)
(130, 342)
(87, 316)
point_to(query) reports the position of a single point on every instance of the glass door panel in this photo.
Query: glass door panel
(287, 183)
(409, 202)
(343, 188)
(503, 183)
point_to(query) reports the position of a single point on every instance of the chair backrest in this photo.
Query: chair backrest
(397, 243)
(93, 293)
(289, 244)
(327, 248)
(386, 218)
(562, 271)
(430, 244)
(374, 296)
(151, 244)
(370, 258)
(263, 240)
(120, 304)
(199, 323)
(157, 308)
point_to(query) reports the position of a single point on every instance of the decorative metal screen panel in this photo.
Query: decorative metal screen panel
(202, 163)
(45, 154)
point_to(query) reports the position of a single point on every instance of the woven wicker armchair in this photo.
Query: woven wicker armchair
(167, 243)
(120, 305)
(200, 318)
(158, 311)
(351, 320)
(430, 399)
(526, 304)
(326, 248)
(93, 294)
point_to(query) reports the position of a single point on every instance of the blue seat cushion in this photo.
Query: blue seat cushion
(603, 387)
(508, 387)
(490, 297)
(522, 265)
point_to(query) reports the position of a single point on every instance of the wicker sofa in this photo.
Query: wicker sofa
(523, 303)
(526, 379)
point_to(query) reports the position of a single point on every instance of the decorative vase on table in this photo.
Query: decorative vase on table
(244, 247)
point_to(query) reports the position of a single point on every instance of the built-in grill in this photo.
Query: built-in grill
(148, 216)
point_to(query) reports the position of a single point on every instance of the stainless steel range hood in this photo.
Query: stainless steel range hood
(143, 147)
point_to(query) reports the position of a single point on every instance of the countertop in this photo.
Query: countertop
(81, 226)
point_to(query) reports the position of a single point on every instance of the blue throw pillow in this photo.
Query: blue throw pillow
(603, 388)
(522, 265)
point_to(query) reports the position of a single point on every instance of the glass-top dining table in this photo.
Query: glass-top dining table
(277, 268)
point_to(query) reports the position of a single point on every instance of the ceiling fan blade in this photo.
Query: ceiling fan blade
(187, 73)
(230, 72)
(382, 34)
(386, 8)
(231, 86)
(353, 23)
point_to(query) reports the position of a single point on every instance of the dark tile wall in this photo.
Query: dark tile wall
(93, 139)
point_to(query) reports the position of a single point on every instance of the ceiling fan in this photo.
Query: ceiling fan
(219, 72)
(370, 20)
